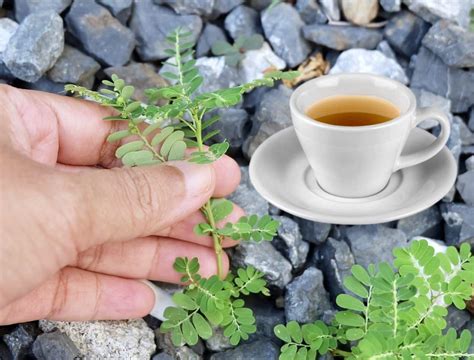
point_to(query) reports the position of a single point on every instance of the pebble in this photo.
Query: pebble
(120, 9)
(35, 46)
(232, 126)
(100, 33)
(190, 7)
(248, 198)
(391, 5)
(271, 115)
(259, 349)
(342, 37)
(224, 6)
(73, 66)
(151, 24)
(426, 99)
(384, 48)
(242, 21)
(470, 163)
(312, 231)
(368, 61)
(255, 62)
(23, 8)
(290, 242)
(405, 32)
(311, 12)
(371, 244)
(209, 36)
(20, 340)
(282, 26)
(425, 223)
(306, 298)
(452, 43)
(141, 75)
(265, 258)
(465, 187)
(217, 74)
(55, 345)
(432, 10)
(127, 339)
(331, 8)
(459, 223)
(360, 12)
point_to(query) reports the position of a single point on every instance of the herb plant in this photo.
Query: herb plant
(234, 53)
(204, 303)
(393, 314)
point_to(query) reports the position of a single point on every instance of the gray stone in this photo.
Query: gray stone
(368, 61)
(470, 326)
(336, 260)
(471, 119)
(311, 12)
(248, 198)
(331, 8)
(73, 66)
(384, 48)
(267, 316)
(271, 115)
(342, 37)
(127, 339)
(432, 10)
(454, 143)
(242, 21)
(4, 351)
(209, 36)
(142, 76)
(151, 24)
(306, 298)
(470, 163)
(232, 126)
(467, 136)
(360, 12)
(467, 150)
(465, 187)
(55, 345)
(255, 62)
(452, 43)
(121, 9)
(290, 242)
(162, 356)
(7, 29)
(371, 244)
(217, 74)
(449, 197)
(265, 258)
(190, 7)
(282, 26)
(224, 6)
(100, 33)
(425, 223)
(405, 32)
(46, 84)
(20, 340)
(255, 97)
(425, 99)
(260, 349)
(432, 74)
(164, 342)
(459, 223)
(218, 342)
(23, 8)
(456, 319)
(312, 231)
(35, 46)
(391, 5)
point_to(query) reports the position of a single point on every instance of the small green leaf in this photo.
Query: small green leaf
(348, 302)
(127, 92)
(128, 147)
(184, 301)
(189, 333)
(203, 328)
(169, 141)
(221, 48)
(221, 208)
(119, 135)
(177, 151)
(162, 135)
(354, 334)
(349, 319)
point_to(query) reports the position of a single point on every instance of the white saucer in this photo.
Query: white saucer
(281, 174)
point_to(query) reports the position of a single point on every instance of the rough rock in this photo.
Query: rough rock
(224, 6)
(405, 32)
(23, 8)
(120, 9)
(432, 10)
(465, 187)
(267, 316)
(331, 8)
(471, 119)
(467, 136)
(73, 66)
(20, 340)
(218, 342)
(7, 29)
(290, 242)
(456, 319)
(209, 36)
(232, 126)
(452, 43)
(368, 61)
(384, 48)
(360, 12)
(128, 339)
(242, 21)
(311, 12)
(312, 231)
(426, 99)
(425, 223)
(142, 76)
(470, 163)
(256, 62)
(189, 7)
(183, 352)
(459, 223)
(335, 259)
(162, 356)
(99, 33)
(260, 349)
(282, 26)
(151, 24)
(35, 46)
(216, 73)
(265, 258)
(247, 197)
(371, 244)
(45, 84)
(306, 298)
(470, 326)
(342, 37)
(391, 5)
(272, 115)
(55, 345)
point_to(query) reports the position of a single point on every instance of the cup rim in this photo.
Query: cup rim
(296, 93)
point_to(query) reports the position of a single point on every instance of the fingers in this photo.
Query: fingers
(148, 258)
(227, 176)
(74, 294)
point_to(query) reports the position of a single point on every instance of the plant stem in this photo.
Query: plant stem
(341, 353)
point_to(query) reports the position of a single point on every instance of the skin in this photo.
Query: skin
(77, 233)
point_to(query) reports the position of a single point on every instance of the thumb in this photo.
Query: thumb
(121, 204)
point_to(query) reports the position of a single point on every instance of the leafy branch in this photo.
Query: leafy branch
(234, 53)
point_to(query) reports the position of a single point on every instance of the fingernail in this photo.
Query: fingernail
(162, 300)
(199, 178)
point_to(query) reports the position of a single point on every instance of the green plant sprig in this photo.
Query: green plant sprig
(393, 314)
(234, 53)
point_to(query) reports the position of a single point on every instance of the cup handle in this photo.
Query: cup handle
(430, 151)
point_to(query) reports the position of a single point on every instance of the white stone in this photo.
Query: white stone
(255, 62)
(7, 29)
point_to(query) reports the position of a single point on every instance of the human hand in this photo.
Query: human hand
(76, 232)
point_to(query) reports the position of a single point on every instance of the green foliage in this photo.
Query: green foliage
(234, 53)
(393, 313)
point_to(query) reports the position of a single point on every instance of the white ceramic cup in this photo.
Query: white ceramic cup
(358, 161)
